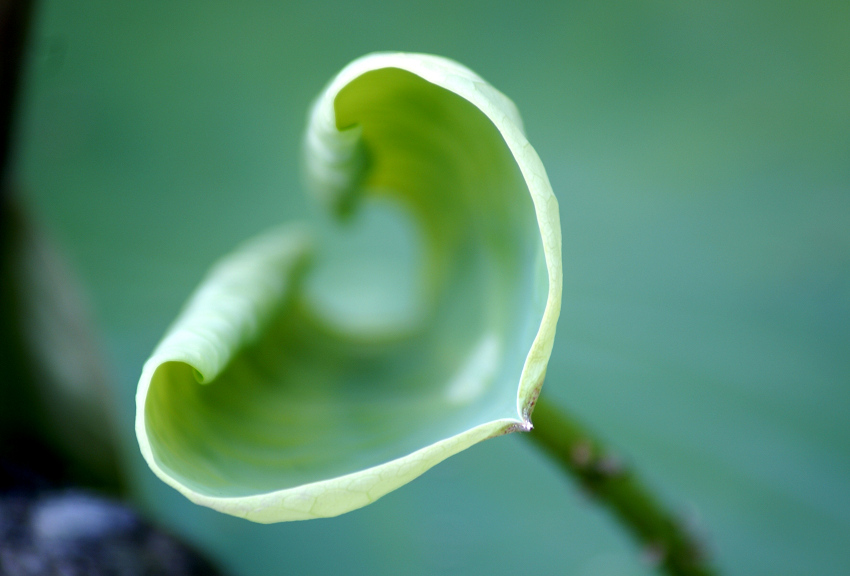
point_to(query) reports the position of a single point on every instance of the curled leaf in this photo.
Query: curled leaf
(315, 370)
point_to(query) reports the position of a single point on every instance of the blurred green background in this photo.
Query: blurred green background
(701, 156)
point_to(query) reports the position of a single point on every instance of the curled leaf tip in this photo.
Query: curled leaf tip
(315, 370)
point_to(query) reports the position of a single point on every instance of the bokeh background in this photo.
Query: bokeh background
(701, 155)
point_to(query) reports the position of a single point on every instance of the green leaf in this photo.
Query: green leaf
(316, 369)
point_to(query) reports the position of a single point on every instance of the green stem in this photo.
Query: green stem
(616, 487)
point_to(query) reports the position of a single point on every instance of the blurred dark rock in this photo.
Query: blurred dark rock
(77, 533)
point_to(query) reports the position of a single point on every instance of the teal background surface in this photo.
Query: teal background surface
(701, 156)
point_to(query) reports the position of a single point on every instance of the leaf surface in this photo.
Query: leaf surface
(315, 370)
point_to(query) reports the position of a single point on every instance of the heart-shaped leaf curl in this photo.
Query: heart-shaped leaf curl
(316, 370)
